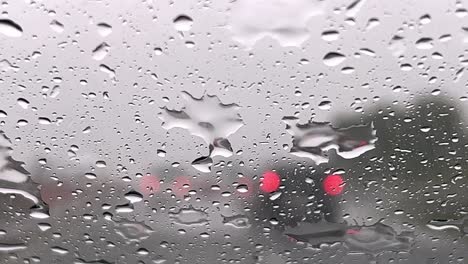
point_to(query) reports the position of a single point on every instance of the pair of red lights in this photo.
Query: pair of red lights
(270, 182)
(333, 184)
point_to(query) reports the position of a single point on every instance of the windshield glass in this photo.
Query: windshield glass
(233, 131)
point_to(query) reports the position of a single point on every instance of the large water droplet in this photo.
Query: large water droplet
(330, 35)
(101, 51)
(104, 29)
(183, 23)
(10, 28)
(333, 59)
(190, 216)
(57, 26)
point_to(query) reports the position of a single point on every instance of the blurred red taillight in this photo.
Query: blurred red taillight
(270, 181)
(333, 184)
(149, 184)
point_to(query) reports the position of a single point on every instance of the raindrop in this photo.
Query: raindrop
(44, 121)
(161, 153)
(133, 231)
(86, 130)
(237, 221)
(242, 188)
(142, 251)
(333, 59)
(10, 28)
(101, 51)
(57, 26)
(425, 19)
(101, 164)
(158, 51)
(104, 29)
(59, 250)
(424, 43)
(22, 122)
(134, 197)
(324, 105)
(190, 216)
(183, 23)
(330, 35)
(23, 103)
(90, 175)
(44, 226)
(12, 247)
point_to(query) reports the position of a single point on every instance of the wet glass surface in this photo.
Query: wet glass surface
(246, 131)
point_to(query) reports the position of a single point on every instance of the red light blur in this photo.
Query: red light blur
(270, 182)
(333, 184)
(149, 184)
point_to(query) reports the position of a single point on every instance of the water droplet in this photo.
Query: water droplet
(189, 44)
(161, 153)
(104, 29)
(133, 231)
(324, 105)
(397, 45)
(12, 247)
(59, 250)
(237, 221)
(22, 122)
(372, 23)
(57, 26)
(107, 70)
(330, 35)
(285, 22)
(5, 65)
(333, 59)
(158, 51)
(86, 130)
(124, 208)
(44, 226)
(203, 164)
(44, 121)
(23, 103)
(101, 164)
(142, 251)
(190, 216)
(183, 23)
(242, 188)
(347, 70)
(134, 197)
(209, 119)
(425, 19)
(354, 8)
(424, 43)
(90, 175)
(10, 28)
(313, 140)
(101, 51)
